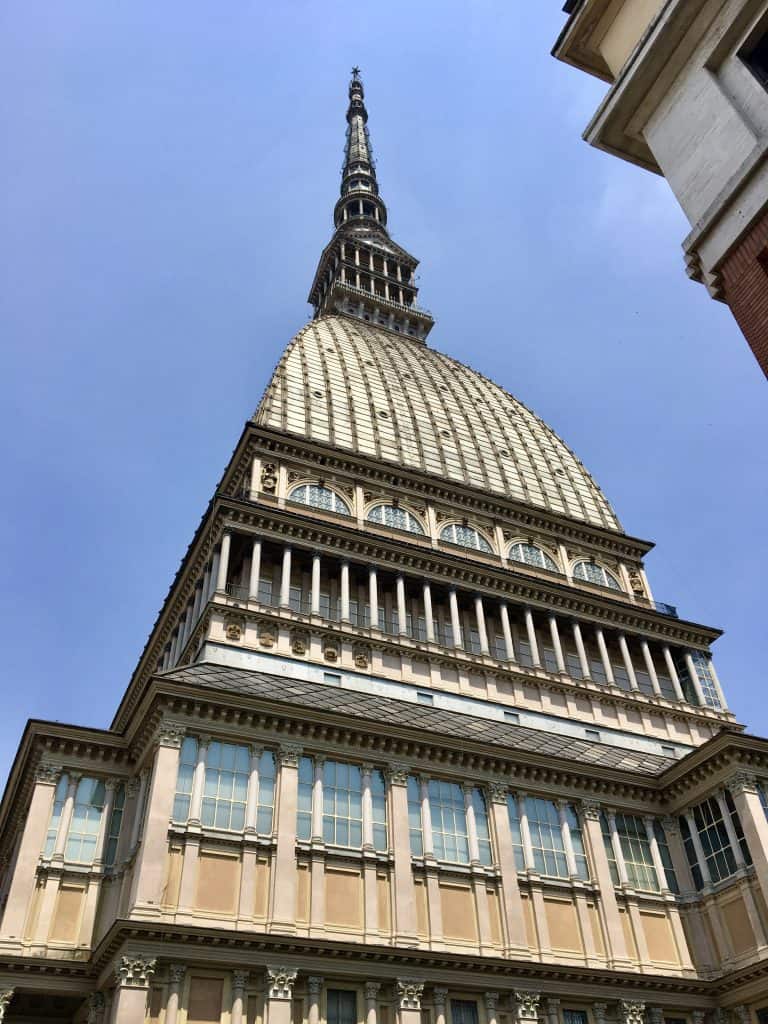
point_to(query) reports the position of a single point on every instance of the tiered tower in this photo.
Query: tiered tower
(410, 741)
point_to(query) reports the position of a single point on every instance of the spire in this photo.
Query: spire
(362, 272)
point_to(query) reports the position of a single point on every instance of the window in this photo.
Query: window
(396, 518)
(546, 832)
(342, 804)
(466, 536)
(591, 572)
(690, 853)
(304, 812)
(379, 803)
(763, 794)
(58, 806)
(317, 496)
(265, 800)
(532, 555)
(575, 1017)
(714, 840)
(481, 825)
(635, 850)
(86, 820)
(115, 822)
(706, 680)
(756, 59)
(341, 1007)
(463, 1011)
(517, 836)
(425, 698)
(736, 821)
(187, 765)
(414, 817)
(666, 857)
(449, 821)
(227, 769)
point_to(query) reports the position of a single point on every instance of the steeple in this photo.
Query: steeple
(362, 272)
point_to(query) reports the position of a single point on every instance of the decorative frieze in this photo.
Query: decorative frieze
(281, 981)
(134, 971)
(409, 993)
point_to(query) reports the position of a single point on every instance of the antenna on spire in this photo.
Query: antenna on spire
(355, 72)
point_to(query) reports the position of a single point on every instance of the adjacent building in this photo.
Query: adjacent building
(411, 741)
(688, 98)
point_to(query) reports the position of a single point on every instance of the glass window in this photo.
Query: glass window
(379, 801)
(341, 1006)
(575, 1017)
(714, 839)
(187, 765)
(395, 517)
(762, 792)
(591, 572)
(532, 555)
(635, 849)
(517, 836)
(706, 680)
(266, 793)
(577, 842)
(414, 817)
(690, 853)
(342, 804)
(481, 825)
(86, 820)
(227, 768)
(736, 821)
(463, 1011)
(319, 497)
(666, 857)
(449, 821)
(304, 812)
(59, 797)
(546, 837)
(115, 823)
(466, 536)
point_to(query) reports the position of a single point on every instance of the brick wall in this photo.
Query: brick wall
(745, 284)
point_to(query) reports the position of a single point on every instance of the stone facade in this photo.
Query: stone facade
(688, 98)
(404, 745)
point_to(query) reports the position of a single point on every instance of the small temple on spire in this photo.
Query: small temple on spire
(362, 273)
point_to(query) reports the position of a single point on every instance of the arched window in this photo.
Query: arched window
(319, 497)
(591, 572)
(531, 555)
(397, 518)
(466, 536)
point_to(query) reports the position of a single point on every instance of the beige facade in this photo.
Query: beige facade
(411, 741)
(688, 98)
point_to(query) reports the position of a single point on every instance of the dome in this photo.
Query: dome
(359, 388)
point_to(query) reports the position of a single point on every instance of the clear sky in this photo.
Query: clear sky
(168, 182)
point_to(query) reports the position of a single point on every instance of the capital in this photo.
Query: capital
(176, 973)
(409, 993)
(240, 980)
(656, 1015)
(281, 981)
(671, 825)
(134, 971)
(96, 1004)
(440, 995)
(315, 986)
(599, 1011)
(491, 1000)
(590, 810)
(527, 1005)
(48, 773)
(289, 754)
(171, 734)
(372, 990)
(397, 773)
(498, 792)
(6, 995)
(742, 782)
(631, 1012)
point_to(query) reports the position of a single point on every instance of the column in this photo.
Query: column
(669, 661)
(512, 915)
(371, 1002)
(440, 1000)
(196, 602)
(367, 807)
(617, 949)
(581, 650)
(284, 881)
(148, 876)
(429, 621)
(678, 855)
(694, 677)
(627, 658)
(106, 814)
(138, 809)
(555, 634)
(280, 981)
(215, 560)
(552, 1011)
(345, 617)
(198, 781)
(453, 604)
(655, 854)
(314, 991)
(176, 974)
(716, 681)
(285, 578)
(223, 566)
(533, 642)
(255, 573)
(402, 620)
(565, 829)
(701, 857)
(603, 648)
(409, 993)
(618, 853)
(404, 900)
(252, 800)
(491, 1000)
(317, 801)
(129, 1001)
(481, 627)
(314, 601)
(34, 829)
(743, 787)
(469, 812)
(96, 1006)
(239, 982)
(373, 597)
(73, 780)
(426, 818)
(650, 667)
(506, 630)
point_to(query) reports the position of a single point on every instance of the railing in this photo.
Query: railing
(238, 592)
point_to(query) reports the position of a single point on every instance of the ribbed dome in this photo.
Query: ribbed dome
(361, 389)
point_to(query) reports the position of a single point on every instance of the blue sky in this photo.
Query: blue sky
(168, 183)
